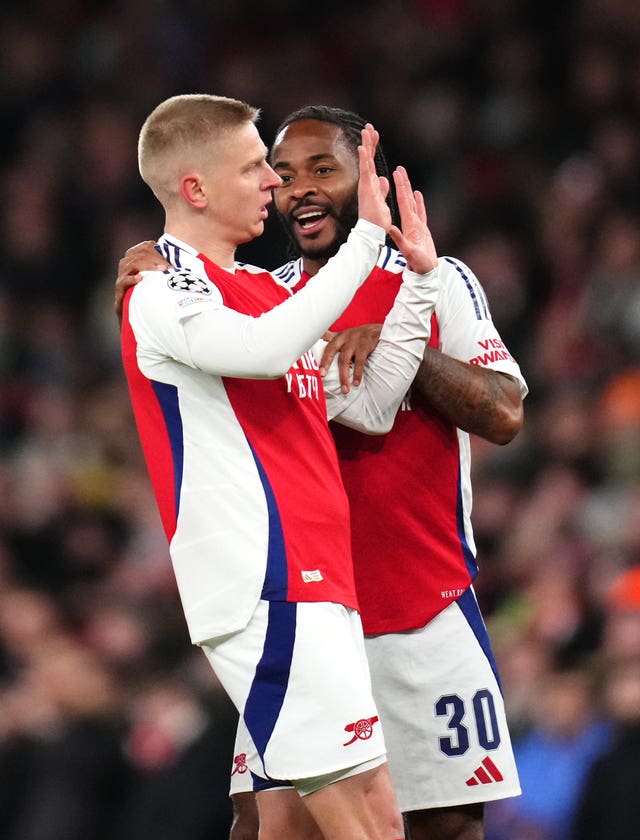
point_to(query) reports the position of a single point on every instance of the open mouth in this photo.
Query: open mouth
(310, 220)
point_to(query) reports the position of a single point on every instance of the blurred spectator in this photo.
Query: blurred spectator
(65, 738)
(553, 759)
(609, 804)
(180, 749)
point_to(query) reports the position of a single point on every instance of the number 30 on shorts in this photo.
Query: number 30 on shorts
(481, 719)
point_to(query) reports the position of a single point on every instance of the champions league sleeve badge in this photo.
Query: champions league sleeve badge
(182, 281)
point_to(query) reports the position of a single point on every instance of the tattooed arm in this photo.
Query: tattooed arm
(478, 400)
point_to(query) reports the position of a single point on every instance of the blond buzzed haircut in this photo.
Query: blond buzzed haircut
(178, 132)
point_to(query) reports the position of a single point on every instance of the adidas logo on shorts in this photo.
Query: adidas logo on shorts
(486, 774)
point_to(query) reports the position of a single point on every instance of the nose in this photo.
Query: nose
(302, 186)
(273, 179)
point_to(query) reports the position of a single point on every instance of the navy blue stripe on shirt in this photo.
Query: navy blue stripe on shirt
(467, 553)
(385, 255)
(289, 272)
(475, 290)
(276, 579)
(167, 396)
(171, 253)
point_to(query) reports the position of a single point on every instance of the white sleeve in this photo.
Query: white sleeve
(221, 341)
(390, 369)
(466, 329)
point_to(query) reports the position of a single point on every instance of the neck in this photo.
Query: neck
(313, 265)
(204, 240)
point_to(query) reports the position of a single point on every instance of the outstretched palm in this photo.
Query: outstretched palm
(414, 240)
(372, 188)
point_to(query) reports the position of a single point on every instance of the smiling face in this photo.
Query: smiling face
(318, 199)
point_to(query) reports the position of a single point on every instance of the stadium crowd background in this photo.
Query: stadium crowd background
(519, 121)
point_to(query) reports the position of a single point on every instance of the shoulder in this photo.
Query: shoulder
(173, 283)
(176, 290)
(461, 288)
(185, 280)
(289, 274)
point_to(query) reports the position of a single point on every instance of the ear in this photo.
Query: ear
(192, 190)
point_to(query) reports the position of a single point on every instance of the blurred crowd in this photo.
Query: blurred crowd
(519, 121)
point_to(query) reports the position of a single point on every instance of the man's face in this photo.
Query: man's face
(318, 199)
(240, 182)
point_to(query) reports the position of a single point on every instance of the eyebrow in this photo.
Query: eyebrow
(258, 158)
(312, 159)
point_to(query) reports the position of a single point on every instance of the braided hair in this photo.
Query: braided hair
(351, 125)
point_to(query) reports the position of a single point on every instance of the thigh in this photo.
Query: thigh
(283, 813)
(459, 822)
(245, 825)
(443, 713)
(361, 805)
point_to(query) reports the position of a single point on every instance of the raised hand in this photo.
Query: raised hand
(372, 188)
(414, 240)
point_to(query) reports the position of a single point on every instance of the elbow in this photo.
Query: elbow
(371, 424)
(379, 429)
(379, 422)
(274, 372)
(508, 423)
(273, 366)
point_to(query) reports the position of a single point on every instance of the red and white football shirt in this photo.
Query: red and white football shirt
(410, 490)
(232, 417)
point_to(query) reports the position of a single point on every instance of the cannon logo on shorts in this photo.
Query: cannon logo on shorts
(362, 729)
(240, 761)
(182, 281)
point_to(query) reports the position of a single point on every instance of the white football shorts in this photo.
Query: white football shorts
(440, 702)
(299, 677)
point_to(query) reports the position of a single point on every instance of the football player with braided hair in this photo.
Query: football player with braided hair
(433, 672)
